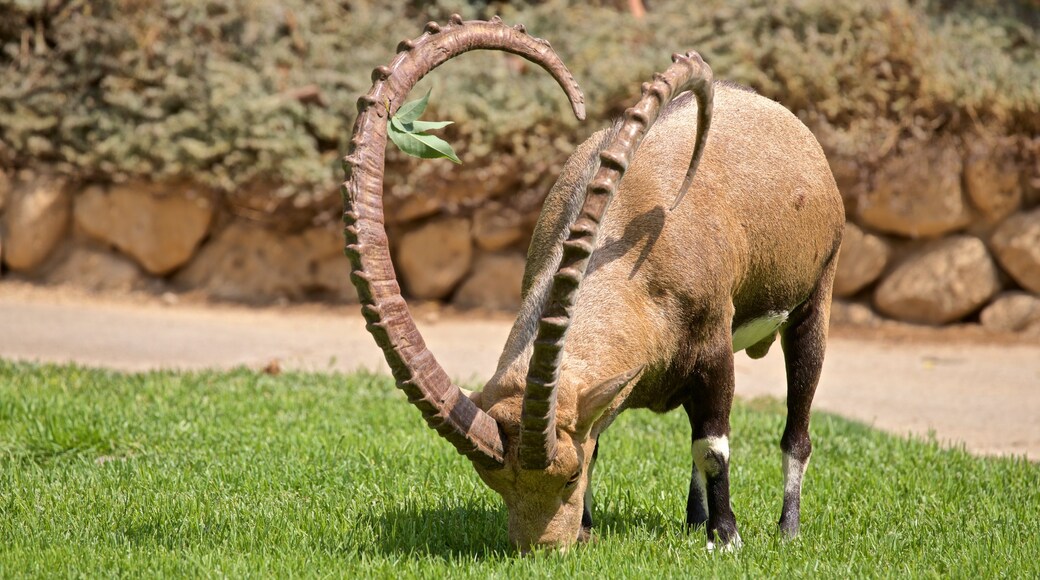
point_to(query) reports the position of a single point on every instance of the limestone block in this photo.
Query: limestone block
(433, 258)
(991, 179)
(1013, 312)
(158, 226)
(944, 282)
(862, 258)
(96, 269)
(917, 193)
(35, 221)
(249, 263)
(1016, 243)
(494, 282)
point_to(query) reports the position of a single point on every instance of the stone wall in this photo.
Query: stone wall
(939, 232)
(947, 231)
(180, 237)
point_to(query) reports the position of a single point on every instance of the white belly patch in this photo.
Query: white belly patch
(753, 331)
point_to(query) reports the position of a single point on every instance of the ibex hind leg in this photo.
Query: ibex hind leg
(804, 340)
(708, 408)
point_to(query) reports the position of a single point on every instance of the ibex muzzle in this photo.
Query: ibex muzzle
(641, 306)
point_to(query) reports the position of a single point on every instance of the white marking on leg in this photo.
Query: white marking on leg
(702, 487)
(708, 451)
(794, 472)
(711, 454)
(733, 545)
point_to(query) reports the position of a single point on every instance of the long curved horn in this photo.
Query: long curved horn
(538, 418)
(473, 432)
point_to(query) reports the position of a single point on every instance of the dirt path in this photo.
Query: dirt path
(984, 395)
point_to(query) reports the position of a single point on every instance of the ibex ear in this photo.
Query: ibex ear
(593, 402)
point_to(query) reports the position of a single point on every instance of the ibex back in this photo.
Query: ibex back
(639, 306)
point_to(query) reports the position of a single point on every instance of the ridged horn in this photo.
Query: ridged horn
(538, 418)
(446, 409)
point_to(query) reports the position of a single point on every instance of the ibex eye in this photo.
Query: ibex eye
(574, 479)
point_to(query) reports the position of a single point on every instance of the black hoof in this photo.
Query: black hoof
(789, 528)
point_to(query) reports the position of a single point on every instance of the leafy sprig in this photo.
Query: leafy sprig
(410, 134)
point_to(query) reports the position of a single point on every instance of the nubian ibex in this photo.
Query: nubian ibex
(641, 306)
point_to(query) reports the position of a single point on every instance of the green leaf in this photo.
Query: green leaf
(423, 126)
(408, 133)
(412, 110)
(418, 126)
(422, 145)
(443, 148)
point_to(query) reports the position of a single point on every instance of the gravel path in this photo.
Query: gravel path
(986, 396)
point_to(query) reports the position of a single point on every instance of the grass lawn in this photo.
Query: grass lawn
(240, 474)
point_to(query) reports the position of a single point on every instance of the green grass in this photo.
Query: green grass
(240, 474)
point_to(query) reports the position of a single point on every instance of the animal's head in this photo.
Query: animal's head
(548, 456)
(525, 446)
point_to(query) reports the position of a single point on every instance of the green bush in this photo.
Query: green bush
(212, 90)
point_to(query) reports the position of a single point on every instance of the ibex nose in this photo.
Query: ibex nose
(532, 547)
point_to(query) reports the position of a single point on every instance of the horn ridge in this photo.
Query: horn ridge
(446, 409)
(689, 72)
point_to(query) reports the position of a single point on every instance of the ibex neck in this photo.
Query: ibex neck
(558, 214)
(589, 355)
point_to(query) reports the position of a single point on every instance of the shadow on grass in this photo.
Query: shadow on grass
(624, 523)
(447, 532)
(475, 532)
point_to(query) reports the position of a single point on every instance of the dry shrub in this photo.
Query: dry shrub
(221, 92)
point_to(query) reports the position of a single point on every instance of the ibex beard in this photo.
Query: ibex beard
(641, 307)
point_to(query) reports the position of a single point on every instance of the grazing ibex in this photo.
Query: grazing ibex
(641, 306)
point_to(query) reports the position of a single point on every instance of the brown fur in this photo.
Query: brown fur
(759, 227)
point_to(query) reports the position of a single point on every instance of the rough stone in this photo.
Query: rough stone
(5, 189)
(96, 269)
(248, 263)
(433, 258)
(419, 190)
(853, 314)
(1013, 312)
(917, 193)
(494, 283)
(496, 227)
(262, 203)
(991, 178)
(1030, 178)
(412, 208)
(34, 222)
(159, 226)
(942, 283)
(862, 258)
(1016, 243)
(849, 177)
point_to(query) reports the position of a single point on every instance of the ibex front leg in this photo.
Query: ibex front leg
(697, 500)
(708, 409)
(586, 514)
